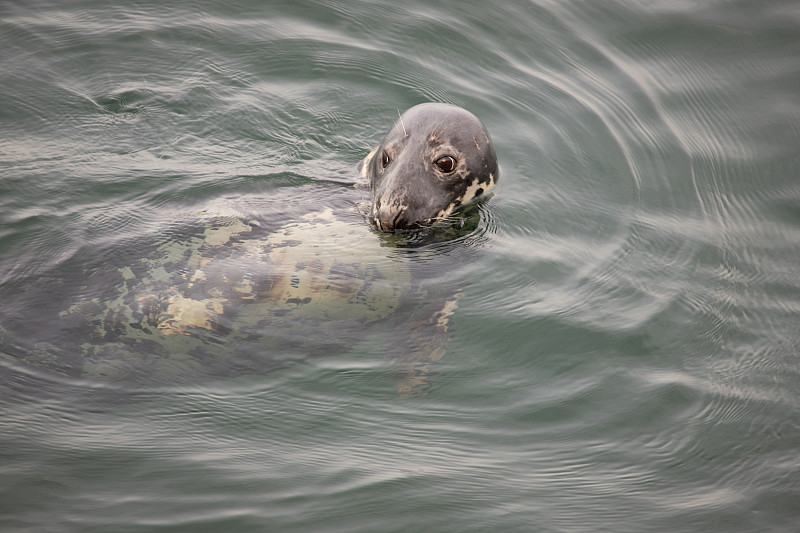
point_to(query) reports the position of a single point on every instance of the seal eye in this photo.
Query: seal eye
(446, 164)
(385, 160)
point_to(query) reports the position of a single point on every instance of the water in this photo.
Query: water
(624, 356)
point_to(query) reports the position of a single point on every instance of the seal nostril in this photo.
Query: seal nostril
(396, 221)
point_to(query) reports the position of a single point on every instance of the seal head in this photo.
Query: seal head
(435, 159)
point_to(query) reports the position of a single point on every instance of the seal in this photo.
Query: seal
(434, 160)
(221, 295)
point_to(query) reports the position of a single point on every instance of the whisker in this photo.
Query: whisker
(401, 123)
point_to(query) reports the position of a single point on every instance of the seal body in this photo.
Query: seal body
(224, 295)
(435, 159)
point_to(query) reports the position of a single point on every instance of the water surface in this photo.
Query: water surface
(624, 355)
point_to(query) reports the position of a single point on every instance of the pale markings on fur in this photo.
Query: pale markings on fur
(393, 204)
(468, 196)
(444, 316)
(366, 162)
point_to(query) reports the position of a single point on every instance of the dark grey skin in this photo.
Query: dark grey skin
(435, 159)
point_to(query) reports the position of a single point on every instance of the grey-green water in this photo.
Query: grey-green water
(625, 355)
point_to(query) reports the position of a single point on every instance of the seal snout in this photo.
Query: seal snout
(398, 223)
(393, 216)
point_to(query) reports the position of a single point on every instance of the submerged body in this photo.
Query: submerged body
(235, 295)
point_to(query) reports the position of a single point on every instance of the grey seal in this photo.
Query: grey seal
(435, 159)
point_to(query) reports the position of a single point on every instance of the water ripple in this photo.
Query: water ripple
(624, 353)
